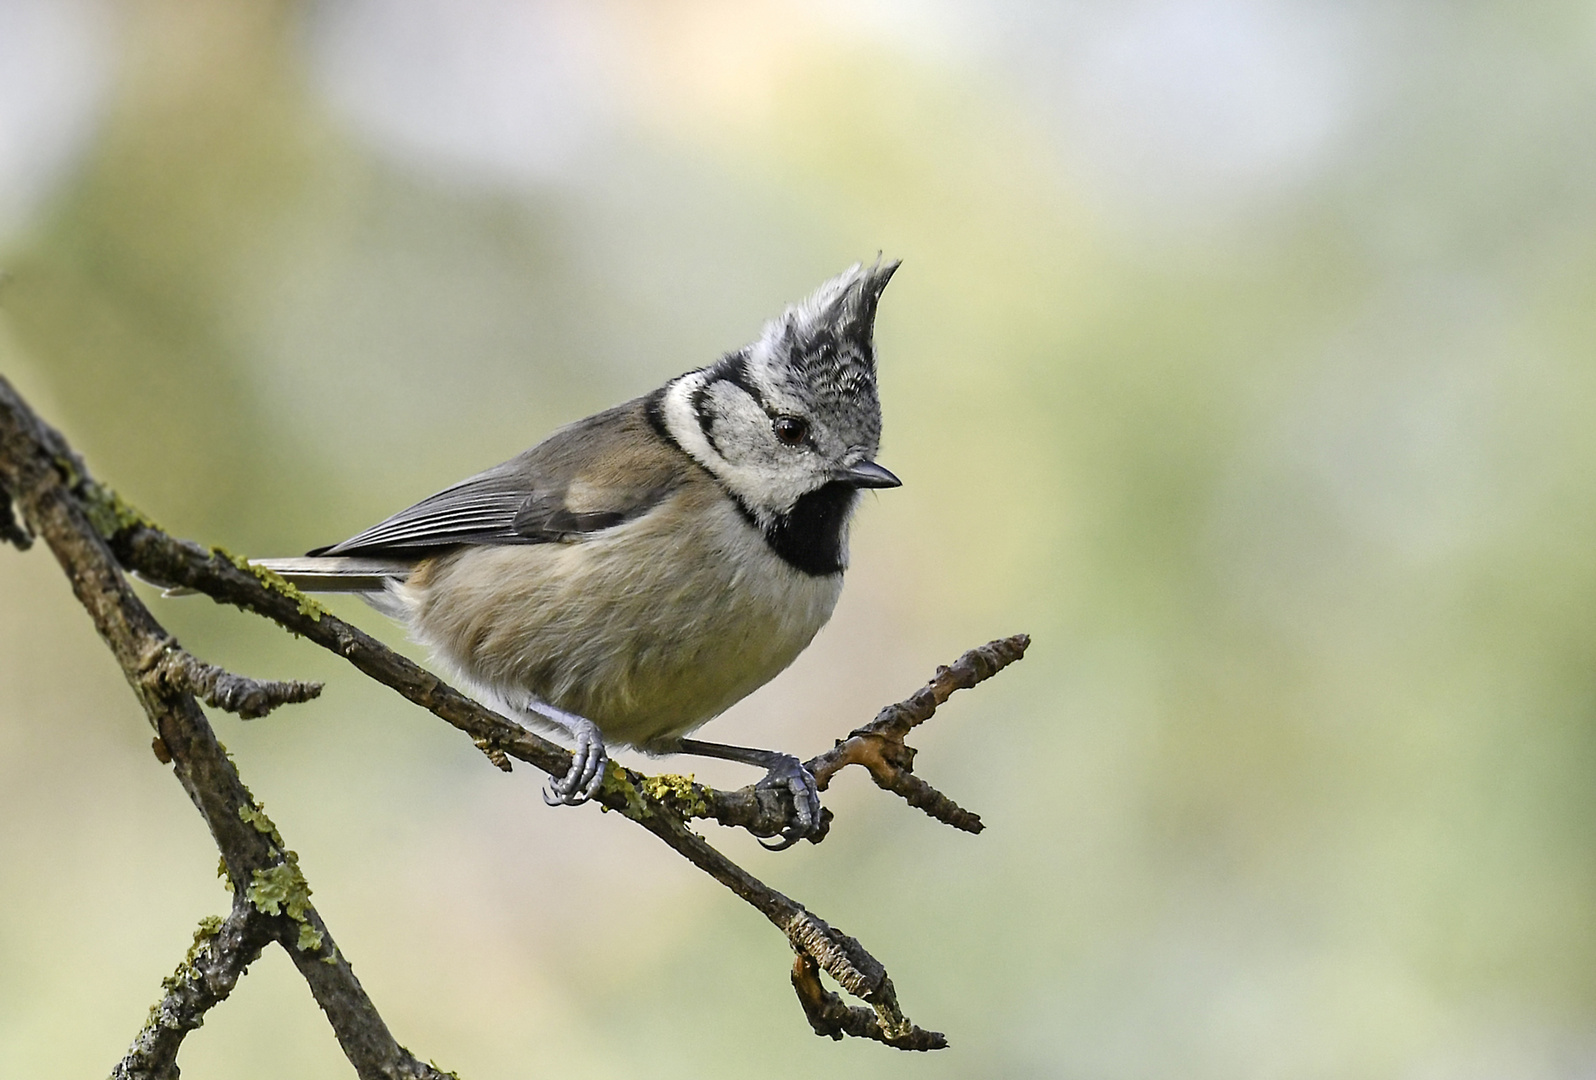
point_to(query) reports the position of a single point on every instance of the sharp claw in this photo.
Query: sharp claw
(588, 760)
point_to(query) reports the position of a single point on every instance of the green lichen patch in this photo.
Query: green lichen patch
(221, 872)
(107, 511)
(284, 889)
(281, 889)
(68, 470)
(276, 583)
(309, 938)
(680, 793)
(616, 784)
(256, 816)
(208, 928)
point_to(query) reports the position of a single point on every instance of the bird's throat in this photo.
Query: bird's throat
(812, 537)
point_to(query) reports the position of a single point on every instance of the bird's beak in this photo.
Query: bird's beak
(867, 474)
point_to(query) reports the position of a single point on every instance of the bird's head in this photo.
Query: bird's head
(795, 414)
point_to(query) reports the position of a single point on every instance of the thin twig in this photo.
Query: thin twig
(829, 1015)
(222, 951)
(878, 747)
(249, 698)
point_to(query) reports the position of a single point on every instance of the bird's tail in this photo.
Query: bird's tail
(322, 574)
(338, 573)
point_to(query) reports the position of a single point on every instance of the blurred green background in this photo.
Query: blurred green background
(1242, 353)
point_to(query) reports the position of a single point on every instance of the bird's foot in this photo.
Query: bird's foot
(588, 758)
(787, 774)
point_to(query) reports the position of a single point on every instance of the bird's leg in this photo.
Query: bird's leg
(785, 772)
(588, 757)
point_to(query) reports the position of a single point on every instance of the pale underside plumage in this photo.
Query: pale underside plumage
(648, 629)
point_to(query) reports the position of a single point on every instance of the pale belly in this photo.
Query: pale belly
(648, 630)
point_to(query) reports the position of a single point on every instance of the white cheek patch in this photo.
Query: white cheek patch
(681, 420)
(761, 490)
(741, 428)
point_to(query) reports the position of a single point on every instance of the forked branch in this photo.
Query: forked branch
(48, 482)
(95, 535)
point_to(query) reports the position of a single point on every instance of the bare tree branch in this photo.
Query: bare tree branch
(221, 954)
(829, 1015)
(879, 745)
(249, 698)
(40, 471)
(91, 530)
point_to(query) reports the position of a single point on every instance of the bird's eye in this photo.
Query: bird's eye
(791, 430)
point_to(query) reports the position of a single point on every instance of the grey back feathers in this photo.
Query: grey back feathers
(588, 476)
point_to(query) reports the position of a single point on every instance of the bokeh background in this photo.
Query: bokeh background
(1242, 353)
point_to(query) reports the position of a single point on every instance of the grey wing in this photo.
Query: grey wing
(481, 510)
(590, 476)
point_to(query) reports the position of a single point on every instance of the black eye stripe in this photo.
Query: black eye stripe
(734, 369)
(700, 404)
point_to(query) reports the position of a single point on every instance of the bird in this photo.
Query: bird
(636, 573)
